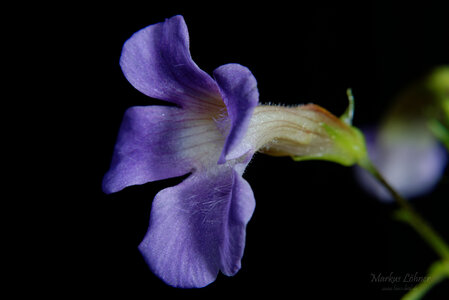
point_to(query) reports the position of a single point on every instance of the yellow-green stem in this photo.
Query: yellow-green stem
(437, 273)
(409, 215)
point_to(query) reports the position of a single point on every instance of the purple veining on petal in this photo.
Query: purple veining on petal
(155, 143)
(238, 88)
(198, 227)
(156, 60)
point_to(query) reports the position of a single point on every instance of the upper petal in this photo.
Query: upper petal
(156, 60)
(238, 87)
(159, 142)
(198, 227)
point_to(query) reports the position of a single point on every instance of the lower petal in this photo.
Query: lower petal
(198, 228)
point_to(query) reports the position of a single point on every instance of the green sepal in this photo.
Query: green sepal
(349, 143)
(349, 147)
(348, 115)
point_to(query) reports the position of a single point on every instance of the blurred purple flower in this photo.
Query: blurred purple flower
(409, 157)
(403, 147)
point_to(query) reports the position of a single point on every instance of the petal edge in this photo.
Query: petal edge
(156, 60)
(238, 88)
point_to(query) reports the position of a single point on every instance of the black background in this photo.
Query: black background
(314, 230)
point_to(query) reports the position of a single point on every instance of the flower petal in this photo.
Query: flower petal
(159, 142)
(156, 60)
(198, 227)
(238, 87)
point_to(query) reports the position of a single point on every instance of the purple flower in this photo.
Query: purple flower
(197, 228)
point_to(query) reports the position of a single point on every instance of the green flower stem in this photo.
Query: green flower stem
(437, 273)
(409, 215)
